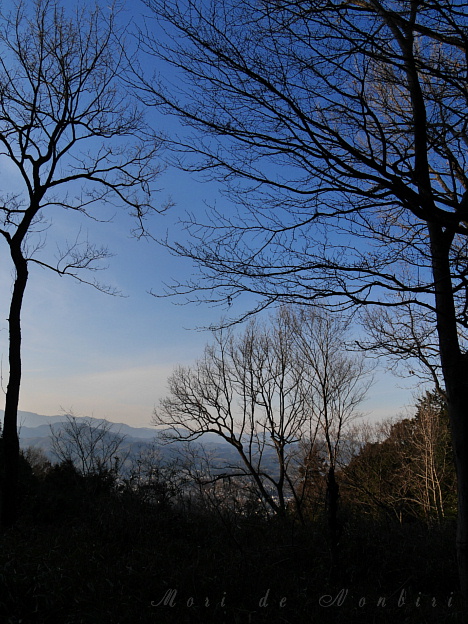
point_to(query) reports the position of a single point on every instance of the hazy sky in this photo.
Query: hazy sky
(110, 357)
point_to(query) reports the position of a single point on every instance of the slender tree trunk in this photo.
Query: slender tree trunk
(458, 411)
(9, 510)
(333, 493)
(455, 372)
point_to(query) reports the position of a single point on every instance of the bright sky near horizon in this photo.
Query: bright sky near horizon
(109, 357)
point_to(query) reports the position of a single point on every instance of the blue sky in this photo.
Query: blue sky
(109, 357)
(101, 355)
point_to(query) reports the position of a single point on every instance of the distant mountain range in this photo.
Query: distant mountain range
(35, 430)
(32, 425)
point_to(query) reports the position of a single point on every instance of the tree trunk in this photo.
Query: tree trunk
(333, 493)
(458, 411)
(455, 372)
(9, 510)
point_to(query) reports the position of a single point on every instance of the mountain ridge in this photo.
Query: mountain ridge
(33, 426)
(30, 424)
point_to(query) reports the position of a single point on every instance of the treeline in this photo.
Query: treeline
(284, 395)
(405, 469)
(310, 501)
(120, 532)
(399, 469)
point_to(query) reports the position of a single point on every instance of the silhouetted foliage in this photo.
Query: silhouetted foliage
(119, 549)
(92, 447)
(409, 473)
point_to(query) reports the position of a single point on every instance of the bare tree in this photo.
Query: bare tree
(76, 141)
(241, 392)
(407, 341)
(432, 462)
(93, 447)
(262, 392)
(338, 382)
(340, 129)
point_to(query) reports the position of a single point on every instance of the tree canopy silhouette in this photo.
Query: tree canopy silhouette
(75, 141)
(340, 131)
